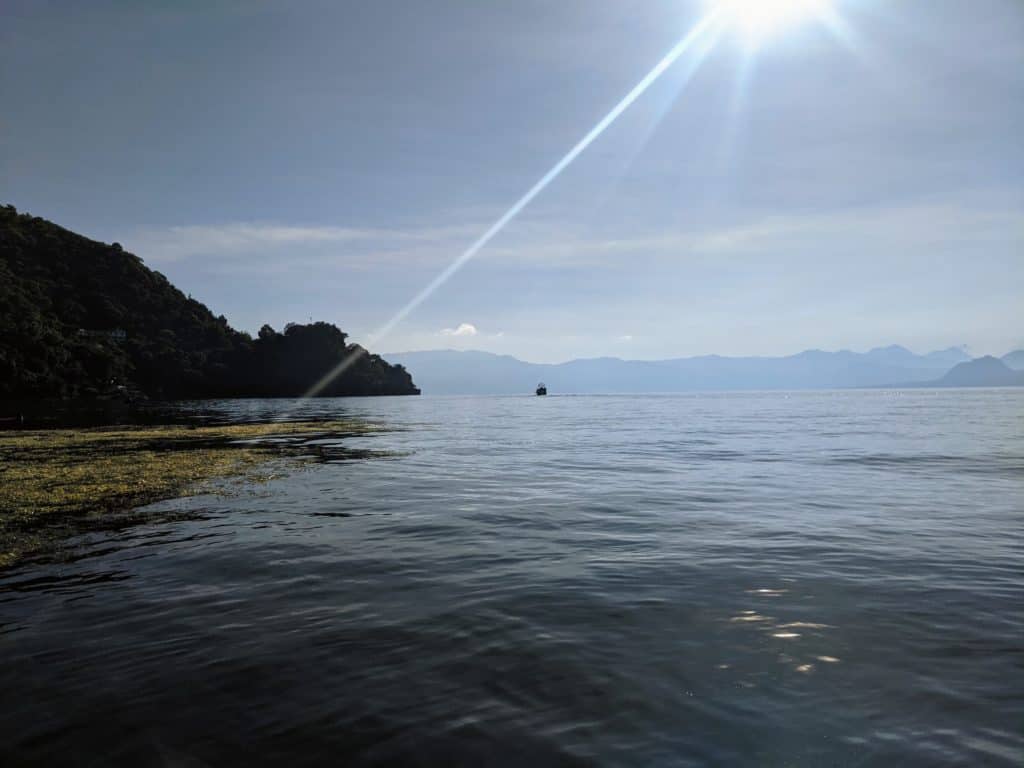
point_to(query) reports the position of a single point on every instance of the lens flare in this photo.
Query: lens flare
(754, 19)
(757, 20)
(683, 46)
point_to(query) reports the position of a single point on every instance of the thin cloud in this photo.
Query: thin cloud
(261, 246)
(539, 243)
(900, 229)
(183, 242)
(463, 329)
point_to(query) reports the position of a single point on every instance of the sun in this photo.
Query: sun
(757, 20)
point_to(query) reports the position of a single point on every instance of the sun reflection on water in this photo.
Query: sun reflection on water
(778, 628)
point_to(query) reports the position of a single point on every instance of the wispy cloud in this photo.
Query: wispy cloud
(543, 243)
(183, 242)
(232, 240)
(900, 230)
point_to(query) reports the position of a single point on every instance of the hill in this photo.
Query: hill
(1014, 360)
(78, 316)
(986, 371)
(453, 372)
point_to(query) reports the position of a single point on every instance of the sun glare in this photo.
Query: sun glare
(754, 20)
(757, 20)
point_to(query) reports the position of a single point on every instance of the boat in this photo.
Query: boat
(541, 389)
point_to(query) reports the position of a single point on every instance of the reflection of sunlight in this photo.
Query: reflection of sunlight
(751, 616)
(801, 657)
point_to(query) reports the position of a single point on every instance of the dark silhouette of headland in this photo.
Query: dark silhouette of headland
(81, 318)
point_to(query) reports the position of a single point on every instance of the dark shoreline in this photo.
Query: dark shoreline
(70, 413)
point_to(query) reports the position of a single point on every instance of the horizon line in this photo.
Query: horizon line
(961, 348)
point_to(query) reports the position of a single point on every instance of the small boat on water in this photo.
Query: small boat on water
(541, 389)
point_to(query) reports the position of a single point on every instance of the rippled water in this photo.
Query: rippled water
(737, 579)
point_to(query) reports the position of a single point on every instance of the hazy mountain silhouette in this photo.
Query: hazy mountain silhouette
(455, 372)
(1014, 360)
(986, 371)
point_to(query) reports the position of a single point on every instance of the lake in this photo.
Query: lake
(799, 579)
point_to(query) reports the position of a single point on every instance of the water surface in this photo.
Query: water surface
(826, 578)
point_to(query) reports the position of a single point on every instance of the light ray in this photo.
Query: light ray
(842, 32)
(702, 27)
(732, 134)
(683, 78)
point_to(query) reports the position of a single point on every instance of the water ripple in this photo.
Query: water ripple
(735, 579)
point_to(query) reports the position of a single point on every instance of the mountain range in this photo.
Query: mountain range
(450, 372)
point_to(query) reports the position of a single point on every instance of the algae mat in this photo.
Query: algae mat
(52, 481)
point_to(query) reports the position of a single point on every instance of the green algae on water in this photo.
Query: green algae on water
(50, 480)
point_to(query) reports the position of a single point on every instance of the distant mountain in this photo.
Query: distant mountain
(81, 318)
(984, 372)
(454, 372)
(949, 357)
(1014, 360)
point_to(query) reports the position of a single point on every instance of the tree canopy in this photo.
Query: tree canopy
(78, 316)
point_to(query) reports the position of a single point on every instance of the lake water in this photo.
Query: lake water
(766, 579)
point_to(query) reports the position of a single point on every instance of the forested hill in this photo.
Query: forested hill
(81, 318)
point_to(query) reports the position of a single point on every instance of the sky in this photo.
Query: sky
(843, 185)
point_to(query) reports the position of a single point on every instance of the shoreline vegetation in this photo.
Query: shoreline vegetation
(84, 319)
(58, 482)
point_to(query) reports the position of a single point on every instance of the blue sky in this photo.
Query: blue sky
(281, 161)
